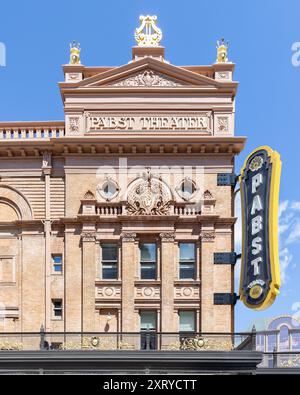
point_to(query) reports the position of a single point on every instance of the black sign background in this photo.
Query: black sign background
(263, 191)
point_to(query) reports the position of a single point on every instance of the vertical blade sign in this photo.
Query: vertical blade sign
(260, 272)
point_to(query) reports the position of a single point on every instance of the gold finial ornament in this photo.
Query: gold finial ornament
(148, 34)
(222, 48)
(75, 53)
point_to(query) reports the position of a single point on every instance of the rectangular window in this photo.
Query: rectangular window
(187, 321)
(57, 308)
(148, 261)
(148, 320)
(57, 263)
(187, 261)
(109, 262)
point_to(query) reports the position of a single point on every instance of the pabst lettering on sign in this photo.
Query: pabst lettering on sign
(260, 273)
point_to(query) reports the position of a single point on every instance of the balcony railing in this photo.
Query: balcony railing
(114, 209)
(109, 341)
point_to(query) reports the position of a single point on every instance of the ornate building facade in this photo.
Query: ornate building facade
(110, 220)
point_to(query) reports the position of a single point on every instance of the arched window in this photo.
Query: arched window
(284, 338)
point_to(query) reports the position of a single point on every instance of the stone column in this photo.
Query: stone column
(128, 276)
(167, 282)
(207, 280)
(88, 239)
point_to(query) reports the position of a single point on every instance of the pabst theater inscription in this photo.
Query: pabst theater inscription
(98, 122)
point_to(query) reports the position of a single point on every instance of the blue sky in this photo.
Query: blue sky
(261, 33)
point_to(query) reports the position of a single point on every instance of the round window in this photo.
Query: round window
(186, 189)
(109, 190)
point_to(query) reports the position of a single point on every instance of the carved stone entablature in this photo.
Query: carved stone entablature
(147, 78)
(186, 292)
(208, 236)
(149, 196)
(88, 236)
(108, 292)
(128, 237)
(147, 292)
(168, 237)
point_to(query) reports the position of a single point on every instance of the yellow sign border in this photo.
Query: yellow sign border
(273, 229)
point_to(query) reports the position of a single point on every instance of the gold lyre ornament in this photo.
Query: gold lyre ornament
(148, 34)
(222, 51)
(75, 53)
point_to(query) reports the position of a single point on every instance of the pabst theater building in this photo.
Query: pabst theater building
(120, 218)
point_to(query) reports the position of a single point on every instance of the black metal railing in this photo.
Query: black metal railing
(145, 340)
(281, 359)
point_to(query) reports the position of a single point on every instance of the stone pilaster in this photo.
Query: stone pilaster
(167, 282)
(88, 239)
(73, 280)
(207, 280)
(46, 170)
(128, 276)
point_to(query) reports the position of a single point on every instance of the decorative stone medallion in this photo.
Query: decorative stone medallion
(149, 197)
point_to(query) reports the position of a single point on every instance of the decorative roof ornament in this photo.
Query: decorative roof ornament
(75, 50)
(222, 51)
(148, 34)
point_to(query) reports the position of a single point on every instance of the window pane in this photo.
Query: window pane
(148, 320)
(58, 268)
(57, 313)
(187, 251)
(148, 252)
(109, 252)
(187, 271)
(148, 271)
(57, 258)
(57, 305)
(109, 272)
(187, 321)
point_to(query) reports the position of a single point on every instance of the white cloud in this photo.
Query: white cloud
(289, 234)
(283, 207)
(285, 259)
(295, 206)
(294, 235)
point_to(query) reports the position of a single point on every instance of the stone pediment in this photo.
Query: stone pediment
(147, 72)
(148, 78)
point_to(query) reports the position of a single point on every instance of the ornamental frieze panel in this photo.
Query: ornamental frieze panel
(150, 292)
(108, 292)
(186, 292)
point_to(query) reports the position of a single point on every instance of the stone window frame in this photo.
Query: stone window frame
(54, 273)
(54, 309)
(119, 257)
(149, 239)
(197, 260)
